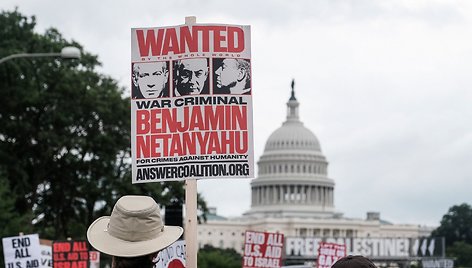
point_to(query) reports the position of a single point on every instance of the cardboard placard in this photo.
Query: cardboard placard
(263, 249)
(70, 254)
(22, 251)
(172, 256)
(329, 253)
(191, 103)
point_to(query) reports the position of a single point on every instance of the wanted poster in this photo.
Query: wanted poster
(191, 102)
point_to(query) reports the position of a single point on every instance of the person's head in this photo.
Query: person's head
(151, 78)
(354, 262)
(132, 262)
(134, 233)
(191, 76)
(233, 74)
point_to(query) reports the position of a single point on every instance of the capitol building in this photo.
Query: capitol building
(294, 195)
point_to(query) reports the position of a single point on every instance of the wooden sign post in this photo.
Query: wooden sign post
(191, 208)
(191, 223)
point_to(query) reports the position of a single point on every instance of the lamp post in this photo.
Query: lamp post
(66, 53)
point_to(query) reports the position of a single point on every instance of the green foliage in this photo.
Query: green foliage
(210, 257)
(462, 252)
(64, 137)
(65, 131)
(19, 223)
(456, 225)
(16, 223)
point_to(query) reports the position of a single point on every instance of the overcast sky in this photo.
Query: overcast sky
(384, 85)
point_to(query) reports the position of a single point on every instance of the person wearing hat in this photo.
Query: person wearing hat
(357, 261)
(133, 234)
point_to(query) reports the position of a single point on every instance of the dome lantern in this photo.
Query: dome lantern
(292, 105)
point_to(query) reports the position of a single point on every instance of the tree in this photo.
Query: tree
(64, 135)
(456, 227)
(12, 222)
(462, 252)
(210, 257)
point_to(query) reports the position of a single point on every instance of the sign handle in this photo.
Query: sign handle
(191, 207)
(191, 223)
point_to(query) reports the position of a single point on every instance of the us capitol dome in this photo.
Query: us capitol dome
(293, 195)
(293, 173)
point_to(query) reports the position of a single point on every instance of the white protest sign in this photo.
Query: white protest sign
(22, 251)
(172, 256)
(191, 102)
(46, 256)
(94, 259)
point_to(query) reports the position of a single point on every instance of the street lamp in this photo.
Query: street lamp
(66, 53)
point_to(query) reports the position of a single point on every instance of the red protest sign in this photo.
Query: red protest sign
(262, 249)
(70, 254)
(329, 253)
(191, 103)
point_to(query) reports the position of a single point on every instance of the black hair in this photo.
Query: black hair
(133, 262)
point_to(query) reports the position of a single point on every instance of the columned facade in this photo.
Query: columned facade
(300, 194)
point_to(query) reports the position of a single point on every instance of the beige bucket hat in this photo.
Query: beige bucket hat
(135, 228)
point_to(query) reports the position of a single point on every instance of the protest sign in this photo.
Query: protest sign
(70, 254)
(382, 247)
(191, 103)
(329, 253)
(262, 249)
(46, 256)
(172, 256)
(437, 262)
(94, 257)
(21, 251)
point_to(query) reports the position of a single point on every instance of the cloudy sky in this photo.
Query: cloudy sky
(384, 85)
